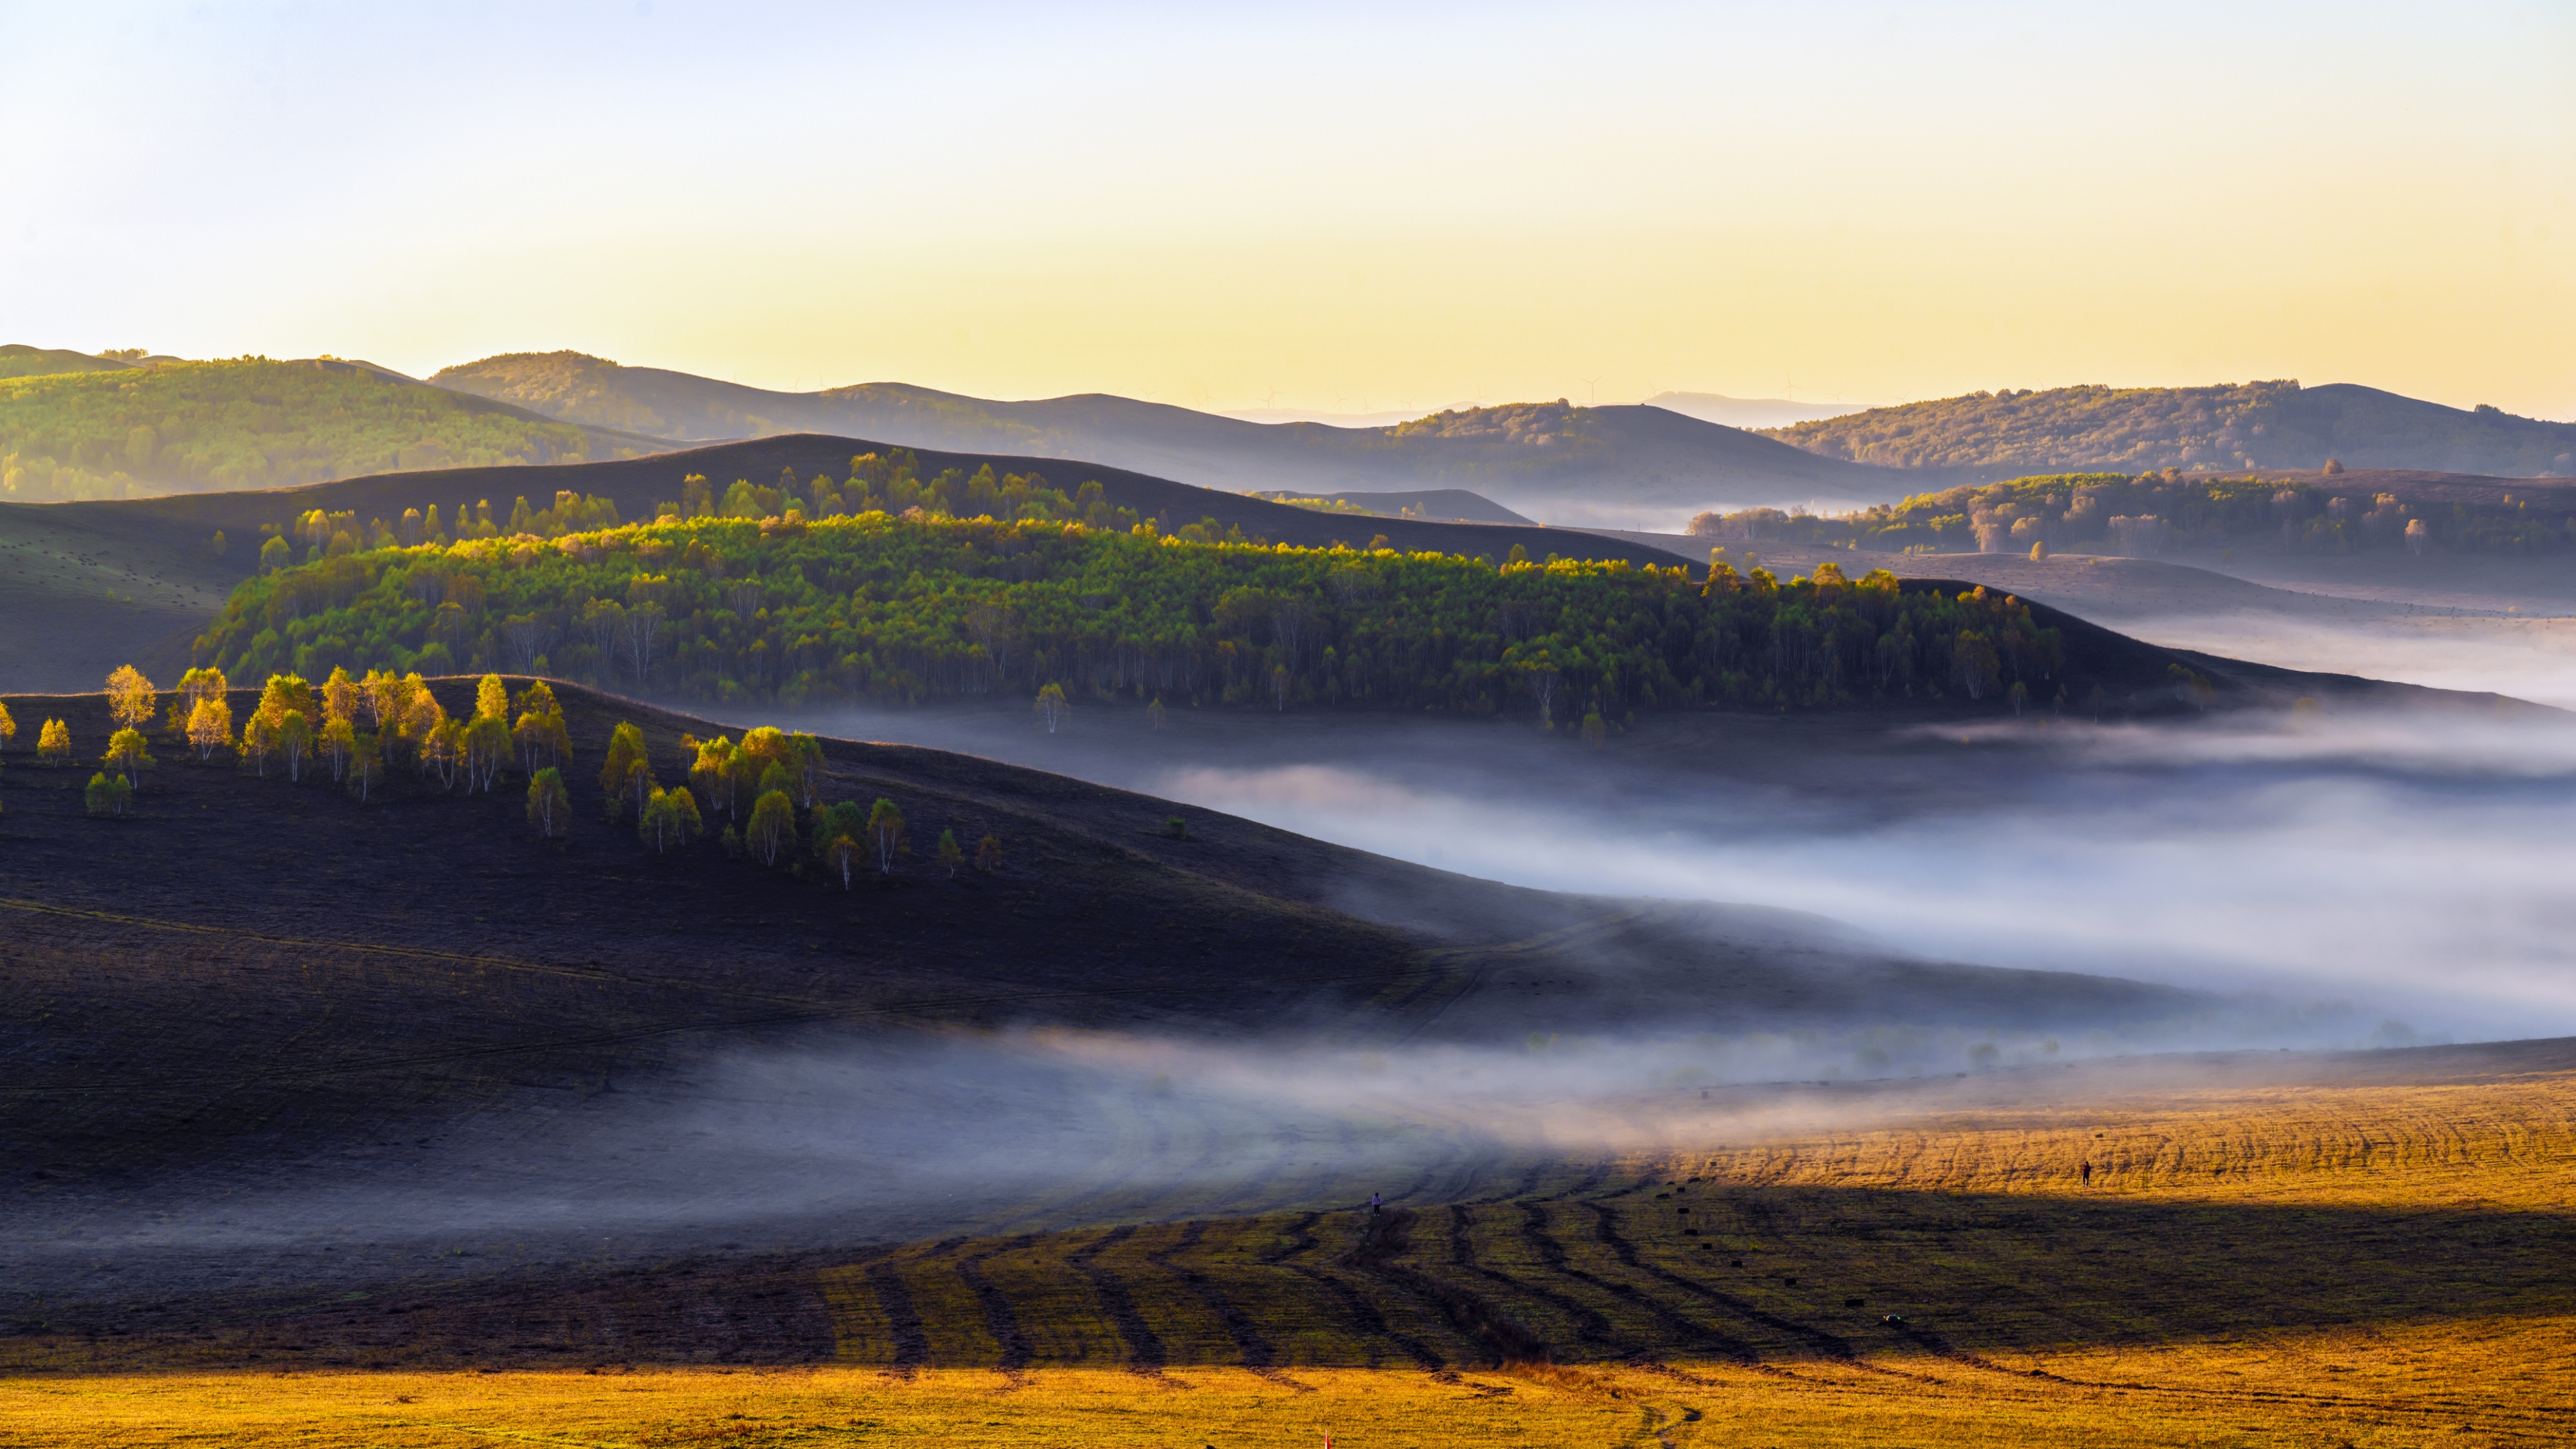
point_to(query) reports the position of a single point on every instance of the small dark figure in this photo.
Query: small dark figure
(1377, 1203)
(2087, 1174)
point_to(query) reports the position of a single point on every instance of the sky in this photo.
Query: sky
(1343, 208)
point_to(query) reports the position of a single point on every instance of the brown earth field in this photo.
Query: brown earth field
(2258, 1249)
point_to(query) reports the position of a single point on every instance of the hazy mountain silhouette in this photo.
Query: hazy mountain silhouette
(1552, 457)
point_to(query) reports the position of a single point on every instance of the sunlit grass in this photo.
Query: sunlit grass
(2427, 1387)
(2370, 1263)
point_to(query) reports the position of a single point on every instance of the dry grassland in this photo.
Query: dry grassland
(2367, 1251)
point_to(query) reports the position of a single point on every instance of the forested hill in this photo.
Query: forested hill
(2232, 426)
(781, 472)
(857, 604)
(126, 431)
(1538, 452)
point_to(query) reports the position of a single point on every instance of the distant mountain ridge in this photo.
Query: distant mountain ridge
(2227, 427)
(1551, 458)
(1748, 412)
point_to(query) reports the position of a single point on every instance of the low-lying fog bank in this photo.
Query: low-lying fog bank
(2525, 658)
(840, 1140)
(2400, 873)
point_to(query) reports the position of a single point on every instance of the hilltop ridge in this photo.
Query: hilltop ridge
(1539, 454)
(2230, 426)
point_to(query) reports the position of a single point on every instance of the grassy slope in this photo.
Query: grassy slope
(1615, 455)
(2259, 425)
(253, 423)
(2366, 1249)
(19, 360)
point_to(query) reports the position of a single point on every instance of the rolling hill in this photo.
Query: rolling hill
(1443, 505)
(866, 607)
(1552, 458)
(105, 582)
(19, 360)
(437, 953)
(2235, 426)
(124, 430)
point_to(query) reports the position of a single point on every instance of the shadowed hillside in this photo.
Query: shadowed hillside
(440, 951)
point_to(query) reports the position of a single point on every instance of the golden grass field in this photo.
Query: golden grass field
(2367, 1250)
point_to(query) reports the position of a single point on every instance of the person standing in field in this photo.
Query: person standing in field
(2087, 1172)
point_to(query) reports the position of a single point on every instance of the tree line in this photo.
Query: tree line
(767, 786)
(885, 608)
(2148, 514)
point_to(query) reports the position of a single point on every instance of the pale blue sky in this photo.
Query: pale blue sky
(1367, 206)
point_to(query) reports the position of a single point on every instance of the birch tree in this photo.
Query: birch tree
(129, 698)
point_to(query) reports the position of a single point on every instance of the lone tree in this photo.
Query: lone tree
(1974, 665)
(712, 773)
(624, 770)
(442, 752)
(129, 698)
(487, 749)
(54, 743)
(885, 835)
(549, 804)
(686, 823)
(295, 741)
(843, 854)
(259, 743)
(126, 754)
(339, 743)
(805, 760)
(8, 728)
(540, 733)
(773, 826)
(670, 820)
(366, 767)
(1544, 682)
(950, 855)
(1052, 710)
(108, 795)
(1154, 713)
(657, 828)
(340, 697)
(492, 699)
(210, 726)
(195, 688)
(988, 854)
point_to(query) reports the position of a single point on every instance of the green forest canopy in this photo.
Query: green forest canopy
(2155, 513)
(896, 605)
(250, 422)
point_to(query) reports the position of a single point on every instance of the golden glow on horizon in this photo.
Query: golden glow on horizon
(1349, 212)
